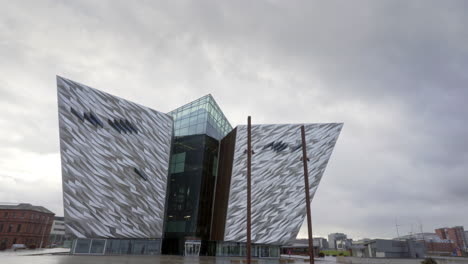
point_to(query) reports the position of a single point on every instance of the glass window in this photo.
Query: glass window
(179, 167)
(115, 247)
(178, 162)
(243, 250)
(193, 114)
(184, 122)
(215, 166)
(82, 246)
(203, 108)
(183, 131)
(184, 112)
(264, 251)
(200, 129)
(97, 246)
(125, 247)
(139, 247)
(153, 247)
(176, 226)
(192, 130)
(274, 252)
(180, 157)
(193, 120)
(109, 245)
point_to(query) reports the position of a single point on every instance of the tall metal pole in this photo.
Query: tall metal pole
(307, 195)
(249, 163)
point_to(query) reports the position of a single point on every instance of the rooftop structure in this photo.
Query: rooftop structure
(202, 116)
(25, 206)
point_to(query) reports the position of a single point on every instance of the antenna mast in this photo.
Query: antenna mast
(397, 225)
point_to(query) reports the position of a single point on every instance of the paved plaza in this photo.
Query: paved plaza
(164, 259)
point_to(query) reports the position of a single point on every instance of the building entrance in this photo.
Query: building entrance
(192, 248)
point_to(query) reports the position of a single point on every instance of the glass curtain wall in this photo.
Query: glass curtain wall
(116, 246)
(190, 191)
(198, 127)
(235, 249)
(202, 116)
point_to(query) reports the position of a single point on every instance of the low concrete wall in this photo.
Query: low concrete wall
(440, 260)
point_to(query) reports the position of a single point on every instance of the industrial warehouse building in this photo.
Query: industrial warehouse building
(139, 181)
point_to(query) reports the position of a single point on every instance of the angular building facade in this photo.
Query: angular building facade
(278, 197)
(115, 160)
(138, 181)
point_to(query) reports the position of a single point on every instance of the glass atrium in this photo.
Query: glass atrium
(198, 128)
(202, 116)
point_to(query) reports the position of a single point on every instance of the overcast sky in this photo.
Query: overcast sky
(394, 72)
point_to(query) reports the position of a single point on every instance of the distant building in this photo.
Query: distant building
(446, 248)
(456, 234)
(361, 241)
(57, 234)
(344, 243)
(428, 237)
(384, 248)
(435, 246)
(332, 238)
(24, 224)
(318, 242)
(321, 242)
(300, 247)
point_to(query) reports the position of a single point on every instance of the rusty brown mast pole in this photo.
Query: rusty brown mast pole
(307, 195)
(249, 163)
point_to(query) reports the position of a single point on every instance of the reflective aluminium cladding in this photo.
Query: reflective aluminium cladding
(138, 181)
(115, 159)
(202, 116)
(278, 197)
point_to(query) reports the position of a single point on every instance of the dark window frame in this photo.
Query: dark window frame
(74, 112)
(96, 120)
(141, 174)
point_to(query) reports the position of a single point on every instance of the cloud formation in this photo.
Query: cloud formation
(393, 71)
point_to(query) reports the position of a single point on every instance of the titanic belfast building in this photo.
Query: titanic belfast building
(140, 181)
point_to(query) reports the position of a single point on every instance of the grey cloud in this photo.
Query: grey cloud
(392, 71)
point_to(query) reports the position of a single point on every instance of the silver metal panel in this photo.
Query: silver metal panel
(103, 194)
(278, 197)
